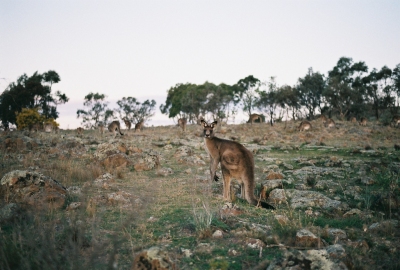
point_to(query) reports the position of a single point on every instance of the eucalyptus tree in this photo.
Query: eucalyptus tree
(345, 89)
(379, 86)
(96, 111)
(246, 92)
(31, 92)
(288, 99)
(309, 90)
(267, 100)
(133, 110)
(179, 100)
(396, 83)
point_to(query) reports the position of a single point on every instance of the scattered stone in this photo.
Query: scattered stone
(230, 209)
(73, 206)
(164, 171)
(274, 175)
(283, 220)
(153, 258)
(217, 234)
(254, 243)
(34, 188)
(305, 238)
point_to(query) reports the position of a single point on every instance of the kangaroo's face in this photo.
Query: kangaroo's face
(208, 128)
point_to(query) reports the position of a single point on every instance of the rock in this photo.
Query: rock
(217, 234)
(153, 259)
(254, 243)
(277, 196)
(352, 212)
(230, 209)
(305, 238)
(120, 197)
(34, 188)
(164, 171)
(73, 206)
(336, 234)
(274, 175)
(118, 160)
(283, 220)
(304, 199)
(270, 185)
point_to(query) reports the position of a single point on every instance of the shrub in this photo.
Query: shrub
(28, 118)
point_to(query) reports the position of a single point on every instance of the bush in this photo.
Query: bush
(28, 118)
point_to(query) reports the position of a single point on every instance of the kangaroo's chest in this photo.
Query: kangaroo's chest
(211, 148)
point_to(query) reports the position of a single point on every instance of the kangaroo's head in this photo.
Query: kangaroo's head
(208, 128)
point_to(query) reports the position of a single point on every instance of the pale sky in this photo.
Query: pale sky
(142, 48)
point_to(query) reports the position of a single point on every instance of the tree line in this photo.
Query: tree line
(30, 101)
(348, 90)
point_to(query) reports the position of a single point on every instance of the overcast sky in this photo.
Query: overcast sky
(142, 48)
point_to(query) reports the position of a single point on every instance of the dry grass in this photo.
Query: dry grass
(179, 210)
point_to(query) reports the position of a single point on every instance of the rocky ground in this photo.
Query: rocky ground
(145, 199)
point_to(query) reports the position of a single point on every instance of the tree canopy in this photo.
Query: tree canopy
(31, 92)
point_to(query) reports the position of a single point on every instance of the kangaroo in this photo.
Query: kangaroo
(139, 125)
(304, 125)
(79, 131)
(395, 121)
(330, 123)
(127, 123)
(253, 117)
(101, 128)
(182, 123)
(114, 127)
(363, 121)
(323, 118)
(236, 161)
(353, 119)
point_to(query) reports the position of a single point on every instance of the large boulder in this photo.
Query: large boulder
(33, 188)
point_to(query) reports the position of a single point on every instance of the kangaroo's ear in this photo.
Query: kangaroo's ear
(214, 123)
(203, 123)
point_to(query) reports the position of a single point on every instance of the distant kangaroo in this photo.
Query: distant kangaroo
(304, 125)
(139, 125)
(395, 121)
(182, 123)
(363, 121)
(79, 131)
(236, 161)
(253, 117)
(127, 123)
(330, 123)
(114, 127)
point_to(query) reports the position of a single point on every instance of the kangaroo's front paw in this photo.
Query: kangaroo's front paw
(216, 178)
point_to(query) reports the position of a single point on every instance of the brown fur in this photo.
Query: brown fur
(395, 121)
(236, 162)
(127, 123)
(330, 123)
(79, 131)
(304, 125)
(253, 117)
(139, 126)
(114, 127)
(323, 118)
(182, 123)
(353, 120)
(101, 128)
(363, 121)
